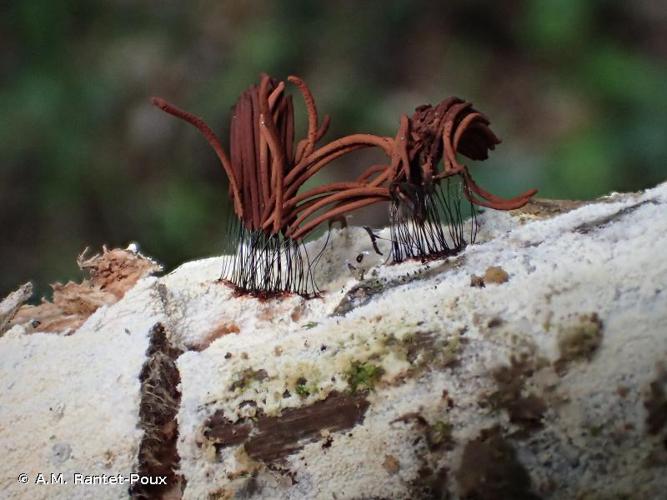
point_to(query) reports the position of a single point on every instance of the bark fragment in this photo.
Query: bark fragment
(160, 400)
(111, 274)
(270, 438)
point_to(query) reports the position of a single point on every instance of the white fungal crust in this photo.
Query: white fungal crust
(543, 344)
(69, 404)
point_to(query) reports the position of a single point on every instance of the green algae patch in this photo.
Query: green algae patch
(363, 376)
(246, 377)
(303, 388)
(427, 349)
(579, 341)
(439, 435)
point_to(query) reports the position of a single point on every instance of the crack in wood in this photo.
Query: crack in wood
(362, 293)
(160, 400)
(588, 227)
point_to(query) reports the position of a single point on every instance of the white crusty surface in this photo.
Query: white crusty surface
(70, 404)
(599, 268)
(560, 270)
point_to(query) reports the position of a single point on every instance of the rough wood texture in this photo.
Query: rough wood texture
(111, 274)
(532, 365)
(11, 304)
(271, 438)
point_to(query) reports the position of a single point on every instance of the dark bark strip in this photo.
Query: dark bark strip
(270, 438)
(160, 400)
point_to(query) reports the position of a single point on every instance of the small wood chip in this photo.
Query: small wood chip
(390, 464)
(496, 274)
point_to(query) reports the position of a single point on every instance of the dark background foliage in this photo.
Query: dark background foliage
(576, 89)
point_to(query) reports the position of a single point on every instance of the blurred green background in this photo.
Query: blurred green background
(575, 88)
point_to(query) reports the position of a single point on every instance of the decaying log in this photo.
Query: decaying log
(531, 365)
